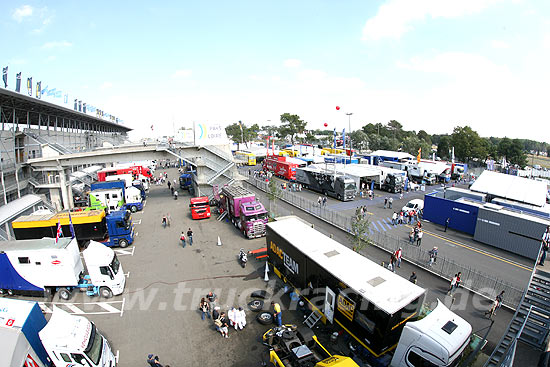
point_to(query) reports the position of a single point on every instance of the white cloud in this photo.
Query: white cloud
(397, 17)
(499, 44)
(20, 13)
(45, 17)
(292, 63)
(182, 73)
(56, 44)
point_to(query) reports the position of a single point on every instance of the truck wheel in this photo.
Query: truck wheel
(105, 292)
(256, 305)
(123, 243)
(64, 294)
(133, 208)
(339, 197)
(265, 318)
(10, 292)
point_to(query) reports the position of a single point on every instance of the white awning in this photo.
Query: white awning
(511, 187)
(16, 207)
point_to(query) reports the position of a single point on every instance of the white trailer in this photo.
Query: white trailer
(44, 266)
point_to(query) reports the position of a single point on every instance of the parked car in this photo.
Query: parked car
(415, 204)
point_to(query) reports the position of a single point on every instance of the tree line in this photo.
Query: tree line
(467, 143)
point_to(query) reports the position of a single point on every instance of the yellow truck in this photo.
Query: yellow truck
(290, 346)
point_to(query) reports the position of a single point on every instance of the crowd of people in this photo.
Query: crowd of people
(235, 317)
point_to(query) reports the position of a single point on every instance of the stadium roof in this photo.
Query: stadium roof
(21, 102)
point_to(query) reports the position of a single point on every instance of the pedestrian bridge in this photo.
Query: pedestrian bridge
(214, 166)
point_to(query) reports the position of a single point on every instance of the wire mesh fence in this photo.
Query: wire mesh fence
(472, 279)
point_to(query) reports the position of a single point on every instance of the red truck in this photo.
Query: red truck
(200, 207)
(284, 167)
(132, 170)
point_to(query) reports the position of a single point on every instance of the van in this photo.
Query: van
(416, 204)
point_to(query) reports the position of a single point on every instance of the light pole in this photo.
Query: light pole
(349, 132)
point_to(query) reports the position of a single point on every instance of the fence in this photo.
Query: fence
(472, 279)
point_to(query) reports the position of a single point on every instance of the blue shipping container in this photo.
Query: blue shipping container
(463, 216)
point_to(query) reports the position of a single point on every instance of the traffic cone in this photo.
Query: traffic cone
(219, 241)
(266, 275)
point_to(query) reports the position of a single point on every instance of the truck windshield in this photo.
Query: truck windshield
(95, 346)
(115, 264)
(262, 216)
(350, 186)
(198, 204)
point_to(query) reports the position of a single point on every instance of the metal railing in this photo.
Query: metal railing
(472, 279)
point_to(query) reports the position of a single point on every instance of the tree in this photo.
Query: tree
(291, 125)
(360, 139)
(423, 135)
(242, 136)
(273, 193)
(270, 130)
(513, 151)
(358, 235)
(443, 147)
(467, 144)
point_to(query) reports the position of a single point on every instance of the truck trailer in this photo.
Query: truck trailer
(244, 210)
(372, 304)
(114, 229)
(284, 167)
(66, 340)
(328, 183)
(45, 266)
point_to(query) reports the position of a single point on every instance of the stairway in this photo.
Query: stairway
(312, 319)
(531, 322)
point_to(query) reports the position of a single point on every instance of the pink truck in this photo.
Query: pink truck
(244, 210)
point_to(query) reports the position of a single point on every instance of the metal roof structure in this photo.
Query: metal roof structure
(386, 290)
(389, 153)
(511, 187)
(32, 245)
(33, 108)
(14, 208)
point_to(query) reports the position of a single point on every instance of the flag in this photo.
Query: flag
(18, 82)
(51, 92)
(29, 86)
(39, 90)
(334, 146)
(75, 104)
(419, 154)
(45, 90)
(241, 125)
(71, 227)
(152, 128)
(59, 232)
(344, 138)
(84, 107)
(79, 106)
(5, 76)
(66, 98)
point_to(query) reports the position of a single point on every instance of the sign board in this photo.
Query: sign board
(210, 134)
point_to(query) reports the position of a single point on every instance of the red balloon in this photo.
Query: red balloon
(325, 124)
(337, 108)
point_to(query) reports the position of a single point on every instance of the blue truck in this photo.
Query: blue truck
(186, 181)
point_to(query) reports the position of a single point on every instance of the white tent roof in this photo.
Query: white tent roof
(511, 187)
(14, 208)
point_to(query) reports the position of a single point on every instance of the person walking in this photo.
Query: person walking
(398, 254)
(319, 201)
(419, 238)
(222, 326)
(277, 313)
(412, 236)
(433, 256)
(452, 285)
(412, 278)
(447, 221)
(176, 195)
(212, 298)
(385, 202)
(393, 260)
(457, 284)
(394, 218)
(190, 236)
(182, 239)
(171, 189)
(401, 217)
(545, 244)
(390, 202)
(205, 309)
(240, 319)
(497, 303)
(324, 201)
(169, 185)
(164, 221)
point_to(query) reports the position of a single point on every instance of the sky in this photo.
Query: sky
(429, 64)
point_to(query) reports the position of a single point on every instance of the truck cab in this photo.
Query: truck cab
(186, 181)
(200, 207)
(133, 199)
(73, 340)
(392, 183)
(253, 219)
(120, 229)
(436, 340)
(104, 270)
(349, 188)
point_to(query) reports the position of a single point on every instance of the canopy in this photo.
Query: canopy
(516, 188)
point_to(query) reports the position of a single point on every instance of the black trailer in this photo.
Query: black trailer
(368, 301)
(328, 183)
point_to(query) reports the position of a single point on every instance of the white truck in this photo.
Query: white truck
(66, 340)
(42, 267)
